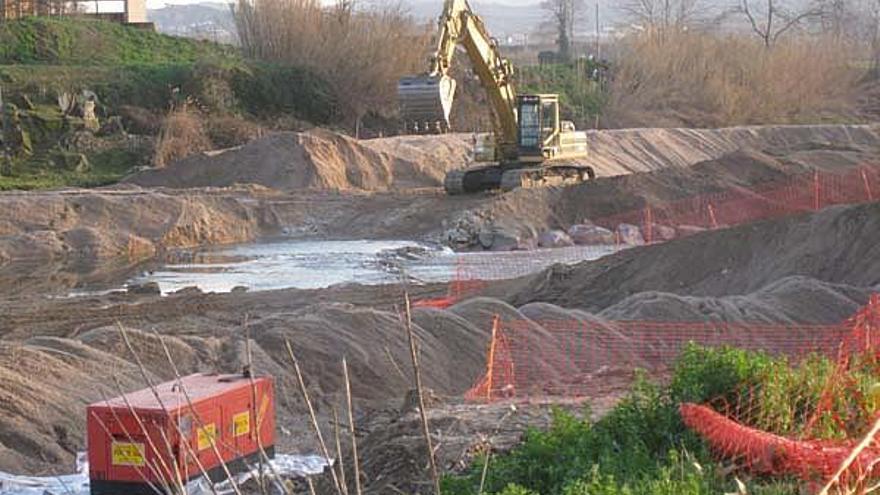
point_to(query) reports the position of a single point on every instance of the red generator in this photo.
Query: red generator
(139, 444)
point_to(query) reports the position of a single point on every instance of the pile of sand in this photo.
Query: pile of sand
(130, 224)
(839, 245)
(617, 152)
(317, 159)
(58, 376)
(322, 159)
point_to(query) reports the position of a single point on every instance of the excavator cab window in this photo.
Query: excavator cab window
(548, 118)
(530, 123)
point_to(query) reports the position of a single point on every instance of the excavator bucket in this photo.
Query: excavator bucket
(425, 103)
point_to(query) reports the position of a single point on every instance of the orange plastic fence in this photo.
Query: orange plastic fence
(730, 425)
(662, 221)
(807, 192)
(565, 358)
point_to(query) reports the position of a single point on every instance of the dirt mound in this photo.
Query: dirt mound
(317, 159)
(58, 376)
(836, 245)
(616, 152)
(789, 300)
(131, 224)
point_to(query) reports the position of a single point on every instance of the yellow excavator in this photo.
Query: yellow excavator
(529, 146)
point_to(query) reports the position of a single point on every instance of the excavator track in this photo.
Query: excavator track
(507, 179)
(554, 175)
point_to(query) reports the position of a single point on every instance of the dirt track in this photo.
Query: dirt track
(816, 268)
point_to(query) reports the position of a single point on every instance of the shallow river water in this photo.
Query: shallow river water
(301, 264)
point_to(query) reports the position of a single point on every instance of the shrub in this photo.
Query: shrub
(642, 446)
(699, 79)
(183, 134)
(227, 131)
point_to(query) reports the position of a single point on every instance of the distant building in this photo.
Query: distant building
(133, 11)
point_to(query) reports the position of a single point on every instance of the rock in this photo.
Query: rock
(586, 235)
(191, 290)
(554, 238)
(112, 127)
(5, 165)
(630, 234)
(71, 161)
(26, 102)
(661, 233)
(411, 400)
(686, 230)
(465, 230)
(90, 119)
(239, 289)
(145, 289)
(498, 239)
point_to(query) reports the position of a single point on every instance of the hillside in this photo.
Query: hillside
(134, 76)
(65, 41)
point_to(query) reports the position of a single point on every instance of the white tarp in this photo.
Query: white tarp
(288, 466)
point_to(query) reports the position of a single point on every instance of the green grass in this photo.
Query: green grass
(642, 446)
(77, 41)
(107, 167)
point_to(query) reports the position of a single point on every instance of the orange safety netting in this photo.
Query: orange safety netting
(661, 221)
(811, 439)
(731, 425)
(735, 206)
(567, 358)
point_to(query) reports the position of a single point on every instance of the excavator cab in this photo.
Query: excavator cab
(538, 126)
(542, 135)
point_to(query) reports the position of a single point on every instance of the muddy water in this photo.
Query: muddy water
(316, 264)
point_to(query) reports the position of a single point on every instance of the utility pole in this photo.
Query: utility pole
(598, 41)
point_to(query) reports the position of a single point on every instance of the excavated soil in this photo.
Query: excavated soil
(58, 354)
(777, 272)
(317, 159)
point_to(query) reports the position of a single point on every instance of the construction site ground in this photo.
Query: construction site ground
(810, 268)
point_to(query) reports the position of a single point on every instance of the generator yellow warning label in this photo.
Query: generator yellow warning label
(207, 435)
(127, 454)
(241, 424)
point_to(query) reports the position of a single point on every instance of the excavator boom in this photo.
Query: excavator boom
(426, 100)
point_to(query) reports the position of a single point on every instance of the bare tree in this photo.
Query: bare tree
(769, 19)
(661, 15)
(563, 14)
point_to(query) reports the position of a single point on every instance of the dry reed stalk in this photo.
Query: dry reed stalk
(354, 451)
(869, 437)
(342, 480)
(312, 416)
(249, 364)
(199, 422)
(417, 376)
(130, 438)
(167, 470)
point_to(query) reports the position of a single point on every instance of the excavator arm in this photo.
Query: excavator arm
(426, 100)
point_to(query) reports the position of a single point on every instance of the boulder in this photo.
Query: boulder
(630, 234)
(496, 239)
(588, 234)
(661, 233)
(554, 239)
(145, 289)
(70, 161)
